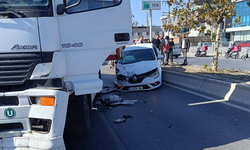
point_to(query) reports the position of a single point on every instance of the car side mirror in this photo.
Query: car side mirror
(160, 56)
(60, 9)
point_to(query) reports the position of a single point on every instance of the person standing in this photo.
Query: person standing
(140, 40)
(162, 43)
(156, 42)
(170, 50)
(165, 50)
(185, 45)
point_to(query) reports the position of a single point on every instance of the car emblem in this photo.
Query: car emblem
(134, 78)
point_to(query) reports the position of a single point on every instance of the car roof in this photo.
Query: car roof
(139, 46)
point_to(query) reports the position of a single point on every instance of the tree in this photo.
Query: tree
(134, 22)
(248, 3)
(191, 16)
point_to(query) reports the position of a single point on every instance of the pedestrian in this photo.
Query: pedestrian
(170, 50)
(162, 43)
(148, 41)
(156, 42)
(135, 42)
(140, 40)
(185, 45)
(165, 49)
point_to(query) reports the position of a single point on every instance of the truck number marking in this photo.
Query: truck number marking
(69, 45)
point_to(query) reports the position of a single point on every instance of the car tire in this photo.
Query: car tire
(78, 116)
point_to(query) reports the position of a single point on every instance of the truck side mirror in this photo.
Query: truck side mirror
(60, 9)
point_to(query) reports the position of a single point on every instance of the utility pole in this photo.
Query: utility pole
(150, 5)
(168, 17)
(147, 18)
(168, 14)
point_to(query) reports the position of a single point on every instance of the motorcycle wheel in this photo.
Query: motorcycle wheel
(243, 58)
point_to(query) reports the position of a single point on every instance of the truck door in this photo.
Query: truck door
(90, 31)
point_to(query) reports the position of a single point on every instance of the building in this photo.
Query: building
(239, 32)
(193, 35)
(144, 31)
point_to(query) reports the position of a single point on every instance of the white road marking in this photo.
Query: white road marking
(208, 97)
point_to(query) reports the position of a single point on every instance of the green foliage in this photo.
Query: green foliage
(190, 15)
(204, 66)
(248, 3)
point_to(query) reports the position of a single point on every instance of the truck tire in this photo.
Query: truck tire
(78, 115)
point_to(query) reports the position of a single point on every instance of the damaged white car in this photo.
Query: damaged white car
(139, 69)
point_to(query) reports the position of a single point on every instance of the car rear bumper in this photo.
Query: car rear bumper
(25, 136)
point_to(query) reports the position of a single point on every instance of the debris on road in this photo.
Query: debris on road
(123, 119)
(125, 102)
(120, 120)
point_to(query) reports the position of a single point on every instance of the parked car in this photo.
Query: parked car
(139, 69)
(176, 50)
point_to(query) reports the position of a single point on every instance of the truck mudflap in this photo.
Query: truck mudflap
(27, 122)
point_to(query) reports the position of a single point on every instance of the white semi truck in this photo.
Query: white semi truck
(50, 55)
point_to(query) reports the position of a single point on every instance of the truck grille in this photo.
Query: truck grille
(16, 68)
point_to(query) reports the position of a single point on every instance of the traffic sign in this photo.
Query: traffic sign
(151, 5)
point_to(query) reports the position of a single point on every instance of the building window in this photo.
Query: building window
(147, 33)
(139, 33)
(174, 19)
(157, 33)
(241, 8)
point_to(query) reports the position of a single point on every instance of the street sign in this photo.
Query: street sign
(151, 5)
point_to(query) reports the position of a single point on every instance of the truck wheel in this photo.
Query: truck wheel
(78, 115)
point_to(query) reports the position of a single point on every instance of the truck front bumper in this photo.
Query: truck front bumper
(16, 128)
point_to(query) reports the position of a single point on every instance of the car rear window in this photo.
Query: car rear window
(134, 56)
(176, 45)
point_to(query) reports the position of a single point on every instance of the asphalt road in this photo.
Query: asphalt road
(163, 120)
(223, 63)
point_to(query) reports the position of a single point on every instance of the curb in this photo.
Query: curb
(236, 93)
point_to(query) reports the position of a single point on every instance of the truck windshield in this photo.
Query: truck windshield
(26, 3)
(30, 8)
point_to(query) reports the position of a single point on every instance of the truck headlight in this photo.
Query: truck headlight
(154, 74)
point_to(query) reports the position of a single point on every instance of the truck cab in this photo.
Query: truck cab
(51, 52)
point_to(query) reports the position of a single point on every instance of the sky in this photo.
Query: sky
(141, 16)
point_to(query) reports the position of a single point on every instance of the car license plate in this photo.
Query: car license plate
(136, 88)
